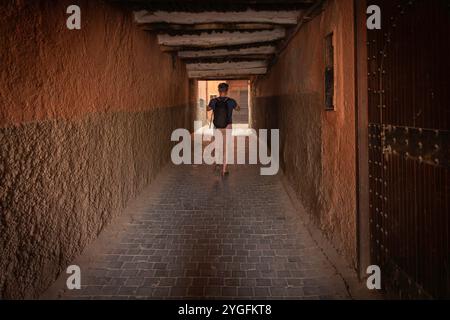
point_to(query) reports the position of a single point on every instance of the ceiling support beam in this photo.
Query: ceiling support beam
(218, 53)
(216, 5)
(226, 73)
(170, 27)
(189, 18)
(212, 39)
(226, 65)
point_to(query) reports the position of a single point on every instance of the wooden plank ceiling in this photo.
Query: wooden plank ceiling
(222, 39)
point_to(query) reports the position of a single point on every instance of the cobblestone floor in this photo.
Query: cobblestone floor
(195, 235)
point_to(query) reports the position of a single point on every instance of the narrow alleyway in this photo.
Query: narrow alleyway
(353, 96)
(195, 235)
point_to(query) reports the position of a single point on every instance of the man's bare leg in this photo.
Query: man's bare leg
(225, 148)
(217, 166)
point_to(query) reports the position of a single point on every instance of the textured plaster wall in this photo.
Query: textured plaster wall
(317, 146)
(85, 123)
(193, 103)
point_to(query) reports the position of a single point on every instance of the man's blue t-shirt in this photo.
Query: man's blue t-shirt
(231, 104)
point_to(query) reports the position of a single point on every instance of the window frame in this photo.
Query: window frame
(329, 72)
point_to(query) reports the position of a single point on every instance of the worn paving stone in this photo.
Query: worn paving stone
(201, 236)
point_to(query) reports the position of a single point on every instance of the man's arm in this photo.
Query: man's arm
(209, 107)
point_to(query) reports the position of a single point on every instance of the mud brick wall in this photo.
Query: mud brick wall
(317, 147)
(85, 123)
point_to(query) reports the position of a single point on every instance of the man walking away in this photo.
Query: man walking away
(222, 108)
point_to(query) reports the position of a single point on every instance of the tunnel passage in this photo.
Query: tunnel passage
(85, 123)
(193, 236)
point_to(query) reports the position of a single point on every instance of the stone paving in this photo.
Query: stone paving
(196, 235)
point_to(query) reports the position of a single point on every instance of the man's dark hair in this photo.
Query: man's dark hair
(223, 87)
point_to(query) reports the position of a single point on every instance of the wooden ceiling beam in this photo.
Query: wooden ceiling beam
(190, 18)
(216, 5)
(222, 46)
(232, 52)
(228, 59)
(226, 65)
(226, 73)
(225, 38)
(238, 77)
(168, 27)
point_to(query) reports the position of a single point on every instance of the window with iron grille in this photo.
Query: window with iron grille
(329, 73)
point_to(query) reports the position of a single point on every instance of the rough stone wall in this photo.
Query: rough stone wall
(85, 123)
(193, 104)
(317, 149)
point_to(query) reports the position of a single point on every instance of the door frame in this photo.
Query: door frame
(362, 138)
